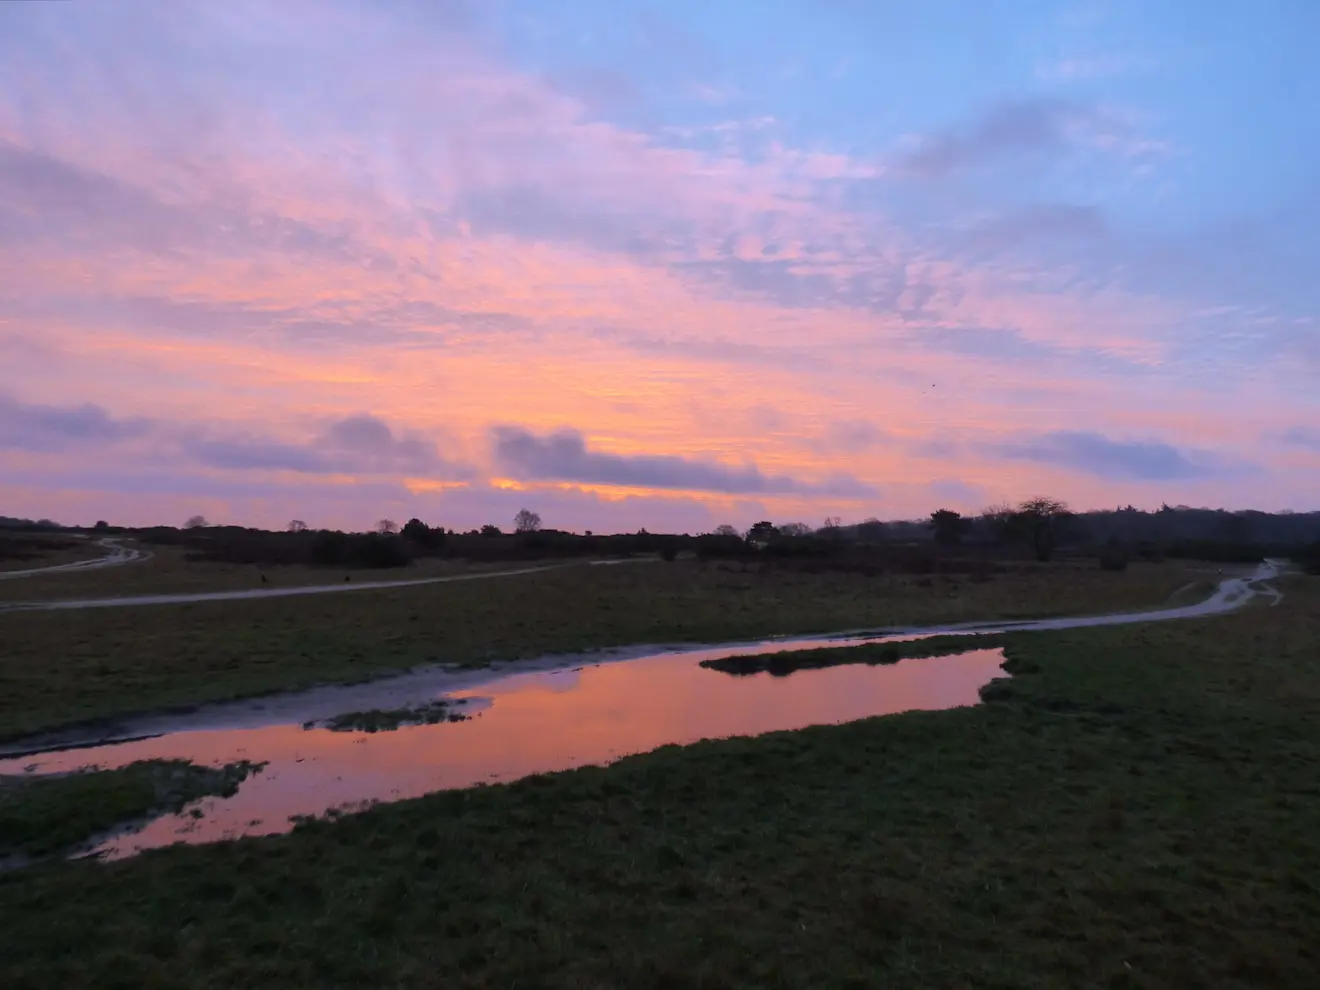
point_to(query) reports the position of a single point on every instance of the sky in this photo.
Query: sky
(655, 265)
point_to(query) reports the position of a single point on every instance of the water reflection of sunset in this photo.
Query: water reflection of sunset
(535, 723)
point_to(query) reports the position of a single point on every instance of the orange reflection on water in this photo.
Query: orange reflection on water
(530, 723)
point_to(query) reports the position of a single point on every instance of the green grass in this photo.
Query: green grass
(61, 668)
(24, 551)
(1140, 808)
(168, 571)
(387, 719)
(42, 816)
(872, 654)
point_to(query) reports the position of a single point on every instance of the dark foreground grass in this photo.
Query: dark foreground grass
(41, 816)
(1140, 809)
(60, 668)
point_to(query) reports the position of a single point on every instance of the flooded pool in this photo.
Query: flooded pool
(519, 724)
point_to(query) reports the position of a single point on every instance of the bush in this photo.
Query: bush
(375, 550)
(1113, 556)
(1110, 561)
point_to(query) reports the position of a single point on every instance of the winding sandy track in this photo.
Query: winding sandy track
(188, 598)
(117, 557)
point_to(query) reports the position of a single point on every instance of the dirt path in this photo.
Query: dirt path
(188, 598)
(117, 557)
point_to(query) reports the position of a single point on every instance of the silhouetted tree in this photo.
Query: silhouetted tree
(795, 529)
(871, 530)
(101, 524)
(949, 526)
(297, 526)
(196, 522)
(724, 529)
(491, 530)
(762, 531)
(421, 535)
(998, 521)
(526, 521)
(1236, 528)
(387, 527)
(1041, 521)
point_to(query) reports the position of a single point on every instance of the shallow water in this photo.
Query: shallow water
(521, 724)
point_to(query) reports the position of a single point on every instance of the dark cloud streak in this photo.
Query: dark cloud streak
(565, 456)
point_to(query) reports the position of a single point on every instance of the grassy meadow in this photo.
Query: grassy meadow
(1137, 807)
(60, 668)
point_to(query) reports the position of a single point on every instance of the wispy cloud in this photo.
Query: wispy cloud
(46, 428)
(1098, 455)
(357, 445)
(1302, 436)
(1095, 66)
(1021, 128)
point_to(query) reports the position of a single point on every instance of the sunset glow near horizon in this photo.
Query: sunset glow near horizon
(662, 266)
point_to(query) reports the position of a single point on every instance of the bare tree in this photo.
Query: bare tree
(526, 521)
(196, 522)
(795, 529)
(1041, 520)
(724, 529)
(387, 527)
(297, 526)
(998, 520)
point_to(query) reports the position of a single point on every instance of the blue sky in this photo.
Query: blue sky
(663, 264)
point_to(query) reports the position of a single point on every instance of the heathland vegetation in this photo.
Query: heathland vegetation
(1137, 806)
(1039, 529)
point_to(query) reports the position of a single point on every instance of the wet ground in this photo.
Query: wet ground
(568, 713)
(516, 725)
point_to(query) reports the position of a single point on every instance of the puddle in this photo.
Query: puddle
(519, 724)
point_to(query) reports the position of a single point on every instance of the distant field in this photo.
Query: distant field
(21, 551)
(1139, 807)
(167, 571)
(63, 667)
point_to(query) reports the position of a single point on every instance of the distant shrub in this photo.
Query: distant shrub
(373, 550)
(1217, 551)
(1113, 556)
(1110, 561)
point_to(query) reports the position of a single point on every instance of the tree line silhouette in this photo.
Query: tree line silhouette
(1037, 529)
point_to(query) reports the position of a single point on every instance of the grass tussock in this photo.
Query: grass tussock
(386, 719)
(874, 654)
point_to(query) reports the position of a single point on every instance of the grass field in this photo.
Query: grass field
(168, 572)
(41, 816)
(1140, 807)
(23, 551)
(58, 668)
